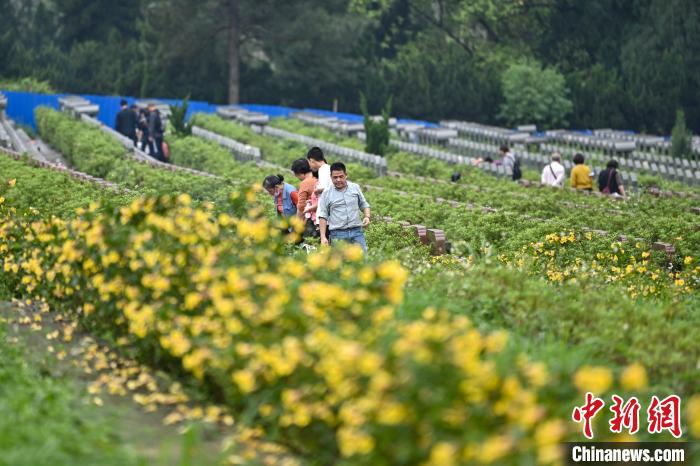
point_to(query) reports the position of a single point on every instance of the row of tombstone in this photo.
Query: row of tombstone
(488, 134)
(406, 131)
(644, 142)
(334, 124)
(374, 162)
(77, 106)
(242, 152)
(240, 114)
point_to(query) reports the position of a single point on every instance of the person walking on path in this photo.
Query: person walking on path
(510, 163)
(339, 210)
(581, 174)
(126, 121)
(142, 125)
(307, 202)
(317, 162)
(610, 181)
(554, 173)
(155, 133)
(284, 194)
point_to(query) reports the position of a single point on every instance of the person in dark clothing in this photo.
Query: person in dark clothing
(142, 123)
(126, 122)
(155, 133)
(610, 181)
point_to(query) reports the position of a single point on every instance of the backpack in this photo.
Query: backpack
(517, 173)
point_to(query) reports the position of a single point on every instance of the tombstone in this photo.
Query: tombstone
(436, 238)
(634, 180)
(421, 233)
(229, 112)
(527, 128)
(672, 173)
(665, 247)
(689, 178)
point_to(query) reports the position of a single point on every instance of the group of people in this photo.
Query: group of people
(554, 174)
(332, 208)
(609, 180)
(143, 126)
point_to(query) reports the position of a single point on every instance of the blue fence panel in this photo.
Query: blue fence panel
(21, 105)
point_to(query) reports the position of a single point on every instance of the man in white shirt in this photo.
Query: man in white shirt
(554, 173)
(317, 162)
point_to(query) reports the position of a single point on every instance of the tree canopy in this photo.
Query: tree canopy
(628, 64)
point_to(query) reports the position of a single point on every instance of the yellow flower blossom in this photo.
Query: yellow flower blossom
(593, 379)
(634, 377)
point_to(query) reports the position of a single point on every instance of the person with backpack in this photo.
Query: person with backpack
(142, 128)
(554, 173)
(155, 133)
(284, 194)
(581, 174)
(610, 181)
(511, 163)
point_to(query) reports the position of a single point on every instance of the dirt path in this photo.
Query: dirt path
(153, 414)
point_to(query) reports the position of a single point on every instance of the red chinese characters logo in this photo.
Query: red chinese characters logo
(587, 412)
(625, 416)
(662, 415)
(665, 415)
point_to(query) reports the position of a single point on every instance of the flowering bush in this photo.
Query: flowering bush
(308, 349)
(576, 257)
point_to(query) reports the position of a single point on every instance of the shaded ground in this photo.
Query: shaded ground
(138, 402)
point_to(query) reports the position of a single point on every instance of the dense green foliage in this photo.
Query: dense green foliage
(376, 132)
(534, 95)
(681, 143)
(44, 421)
(624, 62)
(178, 118)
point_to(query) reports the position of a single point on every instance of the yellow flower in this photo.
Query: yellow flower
(245, 379)
(176, 342)
(634, 377)
(442, 454)
(12, 182)
(687, 260)
(496, 341)
(694, 415)
(392, 414)
(353, 253)
(494, 448)
(593, 379)
(353, 442)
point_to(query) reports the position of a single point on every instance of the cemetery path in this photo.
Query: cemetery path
(55, 344)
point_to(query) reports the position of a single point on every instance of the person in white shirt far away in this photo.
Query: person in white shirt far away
(317, 162)
(554, 173)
